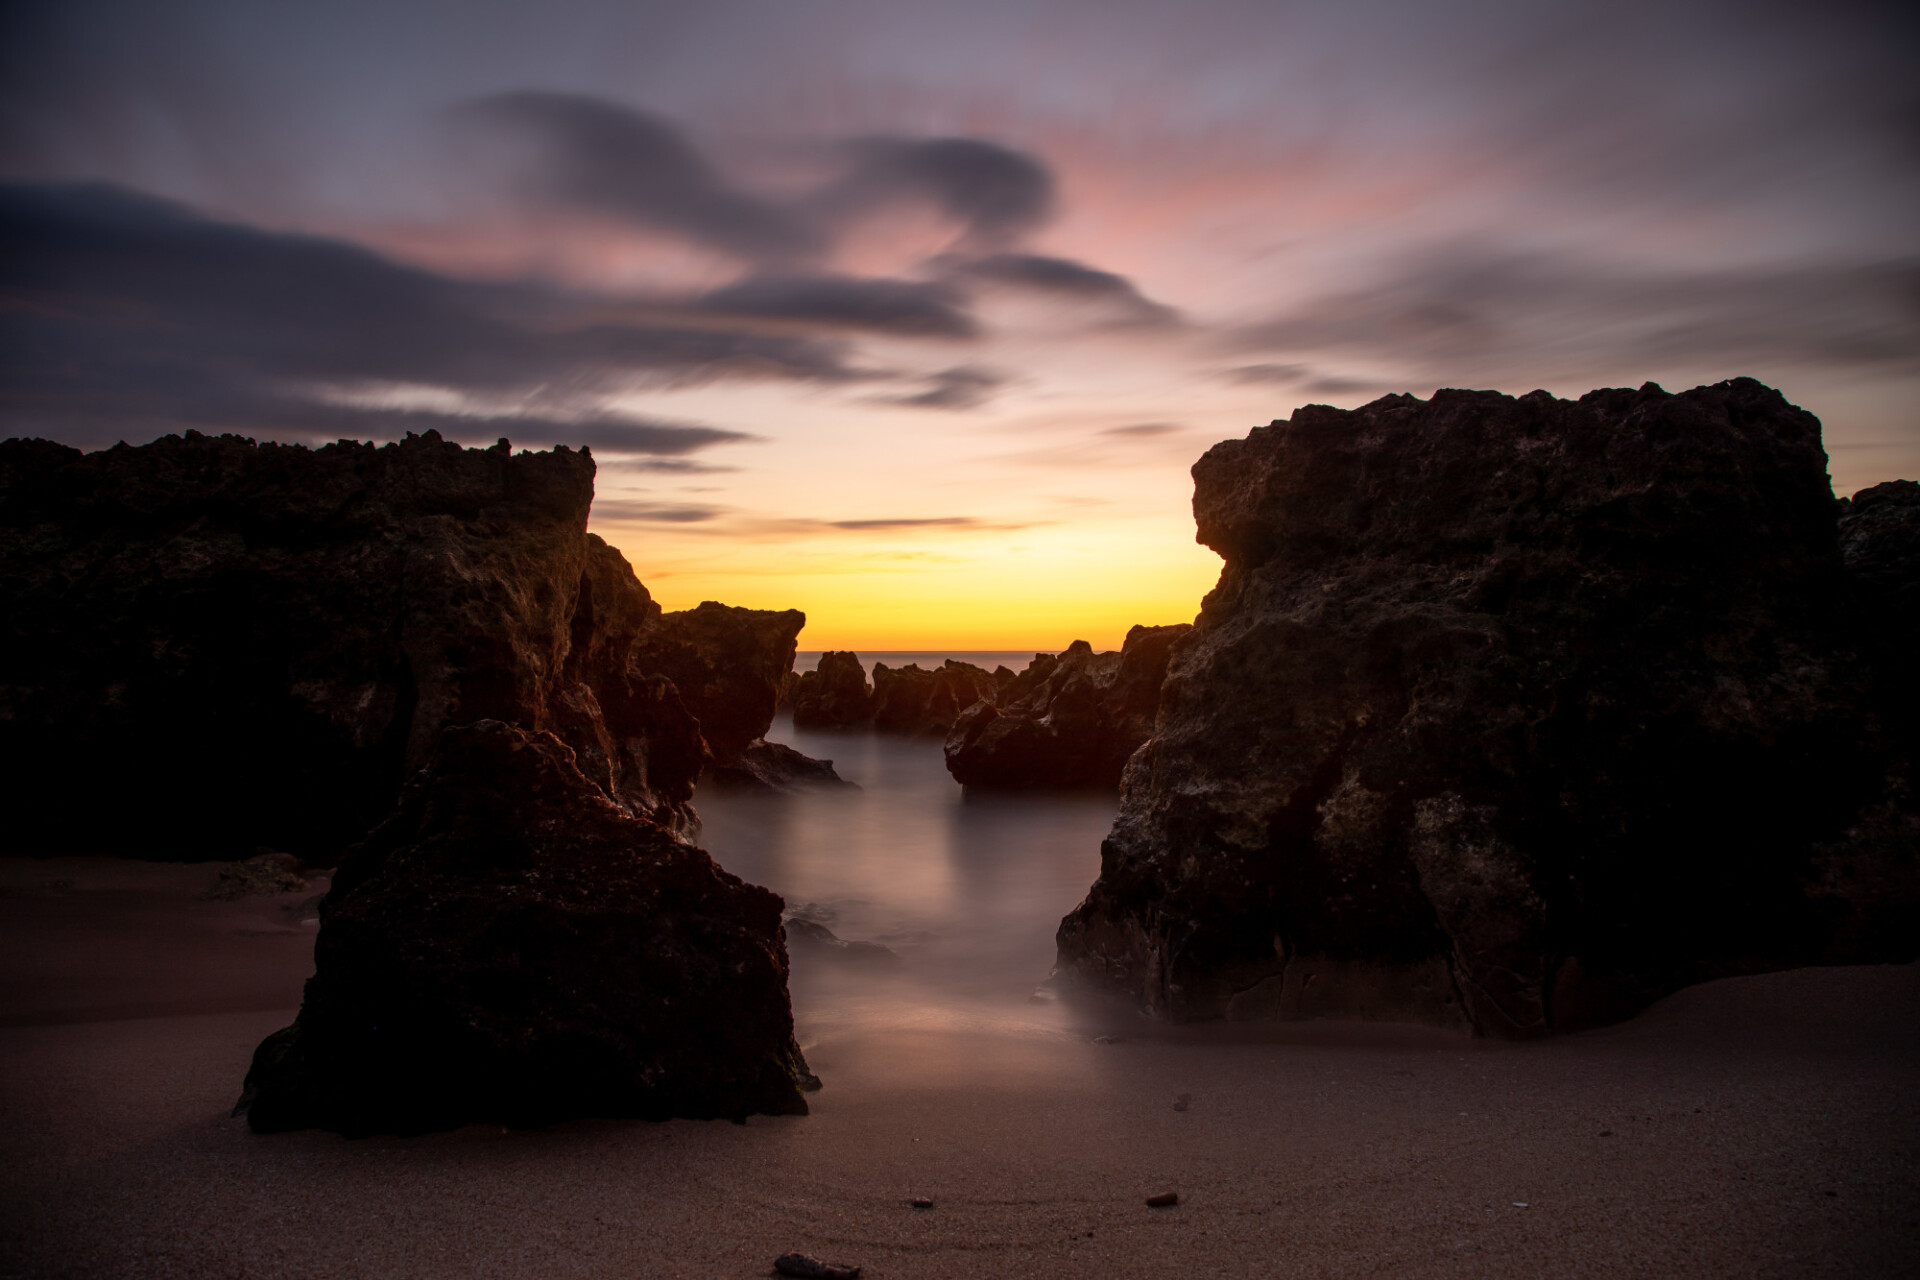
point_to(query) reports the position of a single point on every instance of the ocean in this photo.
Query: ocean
(965, 888)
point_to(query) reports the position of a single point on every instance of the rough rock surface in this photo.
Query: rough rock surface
(210, 644)
(1072, 721)
(834, 695)
(1871, 875)
(1509, 713)
(729, 665)
(771, 766)
(915, 701)
(511, 946)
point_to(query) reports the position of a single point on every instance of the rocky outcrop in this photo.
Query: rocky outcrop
(1880, 538)
(729, 665)
(1506, 713)
(1869, 878)
(834, 695)
(771, 767)
(511, 946)
(211, 644)
(914, 701)
(1070, 721)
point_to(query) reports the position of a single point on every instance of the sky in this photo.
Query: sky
(914, 315)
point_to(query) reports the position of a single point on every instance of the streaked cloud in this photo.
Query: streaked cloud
(1063, 277)
(126, 315)
(961, 387)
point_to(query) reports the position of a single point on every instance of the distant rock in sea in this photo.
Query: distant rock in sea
(834, 695)
(1067, 721)
(1518, 714)
(512, 946)
(926, 703)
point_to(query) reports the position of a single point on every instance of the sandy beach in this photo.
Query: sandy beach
(1754, 1127)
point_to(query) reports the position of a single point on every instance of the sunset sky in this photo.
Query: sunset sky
(914, 315)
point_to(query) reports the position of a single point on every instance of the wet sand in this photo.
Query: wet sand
(1755, 1127)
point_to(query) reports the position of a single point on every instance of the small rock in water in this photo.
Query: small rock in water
(921, 1202)
(1165, 1200)
(817, 938)
(807, 1267)
(1182, 1102)
(266, 872)
(809, 1082)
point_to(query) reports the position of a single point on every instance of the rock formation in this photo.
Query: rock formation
(771, 766)
(511, 946)
(211, 645)
(910, 700)
(834, 695)
(1070, 721)
(1869, 878)
(731, 667)
(728, 664)
(1507, 713)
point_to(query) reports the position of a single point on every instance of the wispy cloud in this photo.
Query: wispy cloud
(961, 387)
(127, 315)
(1463, 311)
(1143, 430)
(1114, 294)
(920, 522)
(636, 511)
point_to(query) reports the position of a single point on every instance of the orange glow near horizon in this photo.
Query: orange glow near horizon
(1037, 593)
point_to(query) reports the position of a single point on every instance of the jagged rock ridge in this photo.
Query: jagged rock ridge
(1066, 721)
(834, 695)
(1509, 713)
(911, 700)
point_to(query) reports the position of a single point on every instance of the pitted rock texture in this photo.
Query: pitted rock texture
(1070, 721)
(915, 701)
(1506, 713)
(210, 644)
(834, 695)
(511, 946)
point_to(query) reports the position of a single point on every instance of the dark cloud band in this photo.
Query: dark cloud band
(122, 316)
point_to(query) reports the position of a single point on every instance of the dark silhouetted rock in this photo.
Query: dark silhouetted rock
(511, 946)
(1515, 714)
(1880, 538)
(210, 644)
(807, 1267)
(910, 700)
(772, 766)
(1072, 722)
(729, 665)
(834, 695)
(1870, 876)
